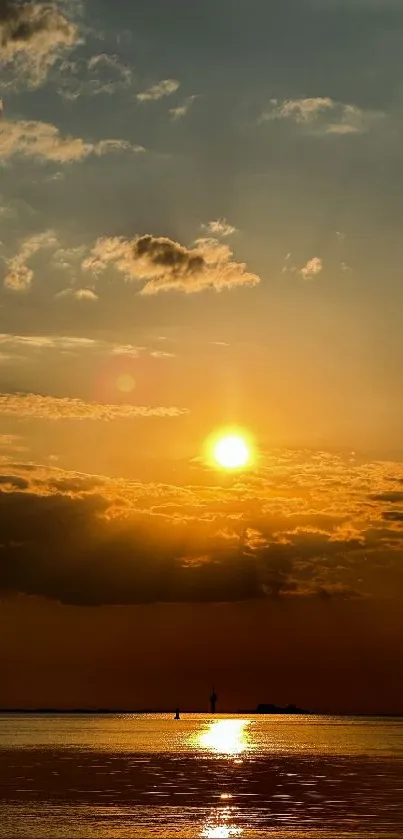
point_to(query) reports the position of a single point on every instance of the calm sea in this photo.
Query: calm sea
(152, 776)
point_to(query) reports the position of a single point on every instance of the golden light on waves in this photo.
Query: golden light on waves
(225, 737)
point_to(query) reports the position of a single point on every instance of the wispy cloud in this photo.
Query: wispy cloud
(9, 440)
(181, 110)
(65, 343)
(163, 88)
(67, 258)
(300, 110)
(7, 210)
(346, 268)
(166, 265)
(99, 75)
(219, 227)
(162, 354)
(19, 274)
(42, 141)
(36, 406)
(77, 295)
(322, 114)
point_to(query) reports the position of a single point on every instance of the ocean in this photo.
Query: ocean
(305, 777)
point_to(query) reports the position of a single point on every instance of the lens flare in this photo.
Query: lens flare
(125, 382)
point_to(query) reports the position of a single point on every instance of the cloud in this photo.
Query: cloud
(298, 527)
(162, 354)
(19, 275)
(7, 210)
(36, 406)
(67, 258)
(110, 146)
(99, 562)
(44, 342)
(166, 265)
(300, 110)
(219, 227)
(77, 295)
(392, 496)
(13, 482)
(163, 88)
(9, 439)
(393, 515)
(43, 141)
(346, 268)
(11, 443)
(100, 75)
(312, 268)
(65, 343)
(181, 110)
(322, 114)
(33, 35)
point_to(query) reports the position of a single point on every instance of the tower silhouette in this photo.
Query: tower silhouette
(213, 700)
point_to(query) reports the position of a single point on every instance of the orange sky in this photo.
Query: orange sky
(200, 229)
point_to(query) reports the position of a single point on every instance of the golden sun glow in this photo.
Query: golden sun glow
(230, 449)
(231, 452)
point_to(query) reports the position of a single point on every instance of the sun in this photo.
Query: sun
(231, 451)
(230, 448)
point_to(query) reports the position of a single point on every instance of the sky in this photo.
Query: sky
(200, 230)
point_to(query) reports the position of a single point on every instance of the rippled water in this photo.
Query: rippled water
(152, 776)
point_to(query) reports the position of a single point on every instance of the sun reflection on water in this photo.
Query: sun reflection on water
(221, 825)
(225, 737)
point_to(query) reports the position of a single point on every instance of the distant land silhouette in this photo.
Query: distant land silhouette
(260, 709)
(277, 709)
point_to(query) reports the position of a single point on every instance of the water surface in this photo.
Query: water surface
(152, 776)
